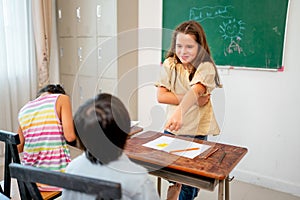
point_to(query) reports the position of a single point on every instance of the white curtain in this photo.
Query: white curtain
(17, 61)
(46, 44)
(54, 57)
(42, 20)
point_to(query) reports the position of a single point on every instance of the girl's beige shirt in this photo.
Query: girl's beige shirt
(197, 120)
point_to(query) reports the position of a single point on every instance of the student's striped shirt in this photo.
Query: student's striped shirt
(45, 145)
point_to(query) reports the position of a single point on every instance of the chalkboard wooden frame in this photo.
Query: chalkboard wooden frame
(245, 34)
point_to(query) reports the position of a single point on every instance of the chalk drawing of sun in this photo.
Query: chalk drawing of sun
(232, 29)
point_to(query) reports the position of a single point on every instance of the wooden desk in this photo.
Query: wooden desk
(51, 195)
(134, 130)
(199, 172)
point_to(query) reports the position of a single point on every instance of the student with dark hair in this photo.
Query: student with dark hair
(45, 127)
(102, 125)
(51, 88)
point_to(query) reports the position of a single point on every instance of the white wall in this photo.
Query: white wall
(259, 110)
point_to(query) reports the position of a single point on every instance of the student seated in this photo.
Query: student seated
(102, 125)
(45, 127)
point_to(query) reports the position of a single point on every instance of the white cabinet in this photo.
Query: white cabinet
(76, 18)
(106, 17)
(66, 22)
(86, 18)
(87, 56)
(88, 47)
(107, 57)
(87, 88)
(68, 55)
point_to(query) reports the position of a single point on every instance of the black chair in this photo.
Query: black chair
(29, 176)
(11, 141)
(11, 154)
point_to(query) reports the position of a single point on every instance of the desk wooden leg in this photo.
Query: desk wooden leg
(159, 186)
(227, 180)
(221, 190)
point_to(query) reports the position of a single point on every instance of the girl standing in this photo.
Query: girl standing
(188, 77)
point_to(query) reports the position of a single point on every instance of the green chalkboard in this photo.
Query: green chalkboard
(241, 33)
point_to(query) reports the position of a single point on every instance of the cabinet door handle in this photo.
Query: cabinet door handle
(99, 11)
(80, 92)
(99, 53)
(79, 52)
(78, 13)
(59, 14)
(61, 51)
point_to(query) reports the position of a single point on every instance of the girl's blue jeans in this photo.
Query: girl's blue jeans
(188, 192)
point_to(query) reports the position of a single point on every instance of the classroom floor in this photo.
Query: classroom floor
(239, 191)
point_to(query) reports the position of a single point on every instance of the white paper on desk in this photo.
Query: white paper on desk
(168, 144)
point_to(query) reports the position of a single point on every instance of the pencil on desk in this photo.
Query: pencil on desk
(182, 150)
(211, 153)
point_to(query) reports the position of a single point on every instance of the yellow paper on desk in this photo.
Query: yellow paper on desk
(169, 144)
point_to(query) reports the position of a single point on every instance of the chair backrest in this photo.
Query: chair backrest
(11, 154)
(29, 176)
(11, 141)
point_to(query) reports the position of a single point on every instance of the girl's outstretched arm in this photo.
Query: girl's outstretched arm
(189, 99)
